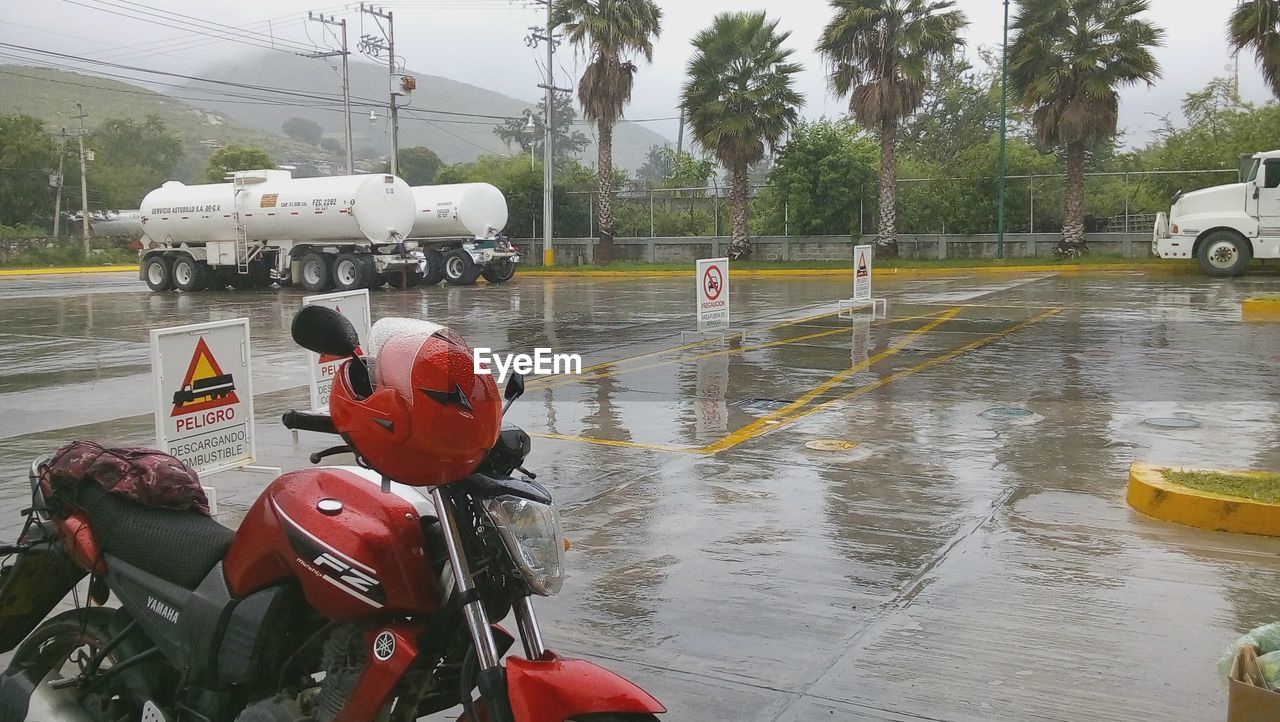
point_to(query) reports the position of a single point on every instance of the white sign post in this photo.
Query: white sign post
(713, 293)
(863, 257)
(204, 394)
(355, 306)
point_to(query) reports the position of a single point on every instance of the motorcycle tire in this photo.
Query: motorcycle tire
(47, 652)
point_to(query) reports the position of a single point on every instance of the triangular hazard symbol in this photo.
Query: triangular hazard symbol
(862, 263)
(204, 386)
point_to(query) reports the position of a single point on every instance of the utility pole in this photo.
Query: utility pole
(680, 135)
(84, 185)
(548, 130)
(374, 46)
(1004, 129)
(346, 79)
(57, 202)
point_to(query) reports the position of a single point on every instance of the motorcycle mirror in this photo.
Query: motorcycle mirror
(515, 387)
(324, 331)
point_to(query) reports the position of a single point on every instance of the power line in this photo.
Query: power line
(225, 34)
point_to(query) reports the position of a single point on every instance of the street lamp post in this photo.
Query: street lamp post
(1004, 114)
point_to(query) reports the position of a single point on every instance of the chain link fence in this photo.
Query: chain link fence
(1115, 202)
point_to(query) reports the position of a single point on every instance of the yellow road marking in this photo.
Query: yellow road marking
(564, 379)
(798, 409)
(763, 424)
(615, 442)
(756, 428)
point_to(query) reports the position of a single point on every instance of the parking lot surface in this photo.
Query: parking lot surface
(958, 547)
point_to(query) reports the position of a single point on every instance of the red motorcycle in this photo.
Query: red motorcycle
(348, 593)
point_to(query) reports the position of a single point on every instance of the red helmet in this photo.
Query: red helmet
(427, 418)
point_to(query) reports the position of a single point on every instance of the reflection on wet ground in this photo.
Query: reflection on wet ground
(970, 556)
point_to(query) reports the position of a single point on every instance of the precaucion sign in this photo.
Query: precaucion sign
(713, 293)
(355, 306)
(862, 258)
(204, 394)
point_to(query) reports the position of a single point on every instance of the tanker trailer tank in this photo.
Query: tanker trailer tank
(340, 232)
(459, 227)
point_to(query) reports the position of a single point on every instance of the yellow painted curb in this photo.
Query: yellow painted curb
(57, 271)
(1261, 308)
(882, 273)
(1152, 495)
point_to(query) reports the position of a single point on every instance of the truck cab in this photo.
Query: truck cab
(1225, 226)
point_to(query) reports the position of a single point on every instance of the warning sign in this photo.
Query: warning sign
(713, 293)
(355, 306)
(204, 386)
(862, 258)
(204, 394)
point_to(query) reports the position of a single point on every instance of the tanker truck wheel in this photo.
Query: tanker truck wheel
(158, 271)
(435, 267)
(316, 272)
(349, 272)
(459, 269)
(190, 275)
(499, 271)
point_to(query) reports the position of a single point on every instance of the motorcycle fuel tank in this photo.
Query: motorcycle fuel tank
(355, 550)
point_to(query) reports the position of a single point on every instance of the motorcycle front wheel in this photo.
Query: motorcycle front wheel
(60, 649)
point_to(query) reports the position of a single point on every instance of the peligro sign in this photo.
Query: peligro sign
(355, 306)
(204, 394)
(713, 293)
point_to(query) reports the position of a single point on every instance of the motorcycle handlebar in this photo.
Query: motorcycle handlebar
(303, 421)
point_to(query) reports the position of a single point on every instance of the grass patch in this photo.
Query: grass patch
(880, 264)
(70, 255)
(1256, 486)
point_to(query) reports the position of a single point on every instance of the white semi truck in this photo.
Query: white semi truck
(340, 232)
(1225, 226)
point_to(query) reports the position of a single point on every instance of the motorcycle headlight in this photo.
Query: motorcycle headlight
(531, 532)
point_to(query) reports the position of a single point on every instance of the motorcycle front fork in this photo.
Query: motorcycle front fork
(491, 680)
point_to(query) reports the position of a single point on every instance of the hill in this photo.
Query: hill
(455, 138)
(50, 95)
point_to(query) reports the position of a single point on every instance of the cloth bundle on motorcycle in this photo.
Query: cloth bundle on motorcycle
(146, 476)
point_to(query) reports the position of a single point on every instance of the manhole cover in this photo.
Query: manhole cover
(1006, 412)
(830, 445)
(1172, 422)
(761, 406)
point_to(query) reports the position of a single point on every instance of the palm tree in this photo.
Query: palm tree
(610, 33)
(880, 52)
(1065, 64)
(740, 99)
(1256, 24)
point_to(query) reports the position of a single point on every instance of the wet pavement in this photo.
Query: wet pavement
(967, 556)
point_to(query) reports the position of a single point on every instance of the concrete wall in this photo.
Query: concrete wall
(832, 248)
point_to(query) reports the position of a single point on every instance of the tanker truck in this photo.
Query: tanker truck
(340, 232)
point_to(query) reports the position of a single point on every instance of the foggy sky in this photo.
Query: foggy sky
(482, 42)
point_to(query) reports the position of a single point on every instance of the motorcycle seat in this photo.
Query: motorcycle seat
(177, 546)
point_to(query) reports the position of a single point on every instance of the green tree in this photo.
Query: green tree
(817, 178)
(233, 158)
(959, 110)
(741, 99)
(333, 145)
(1066, 61)
(1255, 25)
(880, 52)
(419, 165)
(303, 130)
(130, 159)
(566, 144)
(611, 33)
(27, 157)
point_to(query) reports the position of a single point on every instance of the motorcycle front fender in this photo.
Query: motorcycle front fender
(552, 689)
